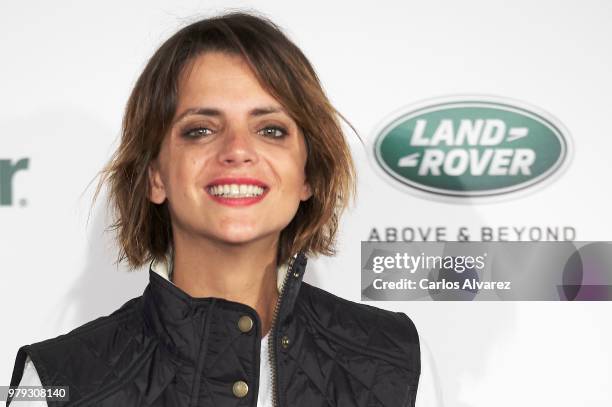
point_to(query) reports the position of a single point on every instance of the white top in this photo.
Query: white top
(427, 396)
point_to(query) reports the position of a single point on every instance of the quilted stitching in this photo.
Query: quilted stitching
(335, 356)
(340, 352)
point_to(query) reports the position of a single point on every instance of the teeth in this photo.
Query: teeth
(236, 191)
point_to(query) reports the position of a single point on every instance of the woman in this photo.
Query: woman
(232, 168)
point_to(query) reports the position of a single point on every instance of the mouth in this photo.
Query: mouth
(237, 191)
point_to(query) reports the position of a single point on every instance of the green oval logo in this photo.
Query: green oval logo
(471, 147)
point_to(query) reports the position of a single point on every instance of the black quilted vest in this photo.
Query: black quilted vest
(165, 348)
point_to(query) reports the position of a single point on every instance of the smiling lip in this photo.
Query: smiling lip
(243, 180)
(237, 201)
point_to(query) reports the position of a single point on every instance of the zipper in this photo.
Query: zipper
(272, 337)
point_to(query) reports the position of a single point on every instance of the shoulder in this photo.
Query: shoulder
(85, 345)
(123, 318)
(362, 323)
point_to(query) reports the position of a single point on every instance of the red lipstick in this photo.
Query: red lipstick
(237, 180)
(237, 201)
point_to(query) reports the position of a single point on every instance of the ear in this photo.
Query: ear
(157, 191)
(306, 192)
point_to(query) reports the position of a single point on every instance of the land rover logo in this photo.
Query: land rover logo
(471, 147)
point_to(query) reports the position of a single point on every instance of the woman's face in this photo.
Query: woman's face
(232, 165)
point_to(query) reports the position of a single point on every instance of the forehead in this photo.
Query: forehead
(222, 79)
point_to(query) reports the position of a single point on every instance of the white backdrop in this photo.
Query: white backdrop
(68, 67)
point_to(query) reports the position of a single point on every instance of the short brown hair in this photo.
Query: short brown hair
(143, 228)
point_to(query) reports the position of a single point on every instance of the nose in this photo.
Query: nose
(237, 148)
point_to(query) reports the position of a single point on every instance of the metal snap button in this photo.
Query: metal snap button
(245, 323)
(240, 388)
(285, 341)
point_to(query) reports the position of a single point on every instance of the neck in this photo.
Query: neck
(244, 273)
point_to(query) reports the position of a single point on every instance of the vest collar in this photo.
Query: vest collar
(182, 322)
(165, 267)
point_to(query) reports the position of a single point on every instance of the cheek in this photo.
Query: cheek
(184, 173)
(294, 179)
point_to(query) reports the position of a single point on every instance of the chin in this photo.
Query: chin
(237, 239)
(241, 235)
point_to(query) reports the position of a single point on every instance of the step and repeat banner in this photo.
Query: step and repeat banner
(482, 152)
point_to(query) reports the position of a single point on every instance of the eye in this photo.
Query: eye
(197, 132)
(273, 132)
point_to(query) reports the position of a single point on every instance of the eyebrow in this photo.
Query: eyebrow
(209, 111)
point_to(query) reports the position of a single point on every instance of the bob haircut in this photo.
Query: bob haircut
(144, 228)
